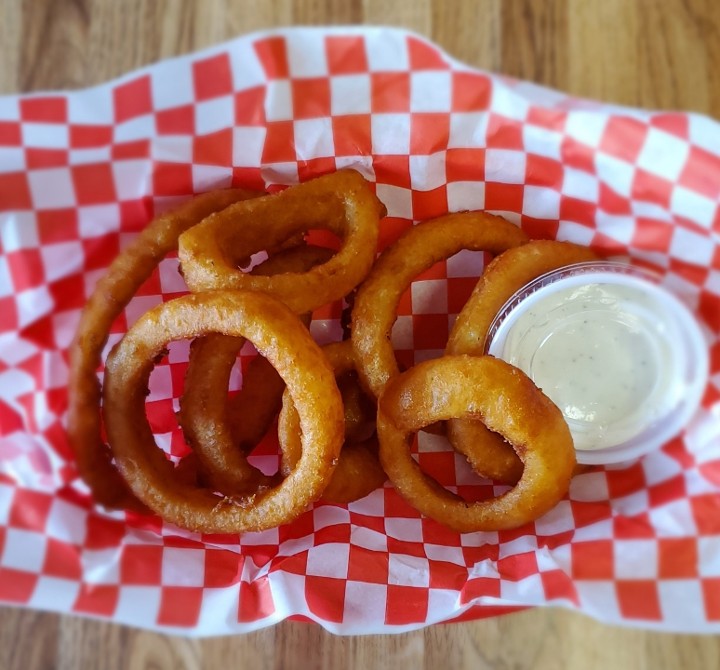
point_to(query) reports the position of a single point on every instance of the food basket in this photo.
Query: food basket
(82, 172)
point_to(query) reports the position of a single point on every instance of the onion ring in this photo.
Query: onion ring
(111, 295)
(341, 202)
(418, 249)
(207, 414)
(357, 475)
(360, 411)
(504, 399)
(488, 453)
(187, 469)
(358, 471)
(279, 336)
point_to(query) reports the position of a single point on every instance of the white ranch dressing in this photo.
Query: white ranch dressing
(610, 349)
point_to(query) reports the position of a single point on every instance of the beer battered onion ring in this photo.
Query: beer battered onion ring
(419, 248)
(358, 471)
(360, 410)
(222, 430)
(507, 402)
(505, 274)
(281, 338)
(111, 295)
(342, 202)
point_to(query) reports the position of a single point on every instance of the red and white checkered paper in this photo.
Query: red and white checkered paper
(82, 172)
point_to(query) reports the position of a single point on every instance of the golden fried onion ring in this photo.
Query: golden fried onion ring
(341, 202)
(505, 274)
(358, 471)
(507, 402)
(111, 295)
(419, 248)
(360, 410)
(281, 338)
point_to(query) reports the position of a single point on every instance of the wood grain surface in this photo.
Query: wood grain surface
(650, 53)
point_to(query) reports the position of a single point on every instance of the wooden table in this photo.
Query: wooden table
(651, 53)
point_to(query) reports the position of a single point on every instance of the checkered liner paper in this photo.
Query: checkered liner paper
(82, 172)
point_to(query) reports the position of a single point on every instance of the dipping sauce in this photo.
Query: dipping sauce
(620, 356)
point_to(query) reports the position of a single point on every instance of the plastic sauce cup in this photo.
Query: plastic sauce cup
(621, 356)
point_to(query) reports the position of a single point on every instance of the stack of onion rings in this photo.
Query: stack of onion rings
(223, 431)
(282, 339)
(111, 295)
(324, 398)
(216, 478)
